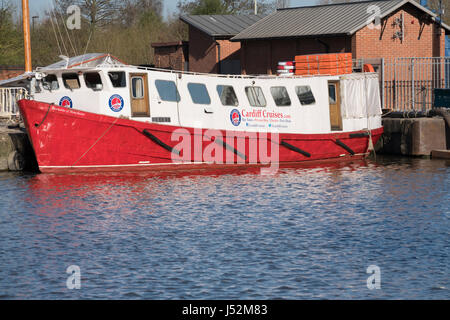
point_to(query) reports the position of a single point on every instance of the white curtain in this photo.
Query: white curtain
(360, 95)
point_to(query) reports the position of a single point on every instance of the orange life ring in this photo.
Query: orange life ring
(368, 68)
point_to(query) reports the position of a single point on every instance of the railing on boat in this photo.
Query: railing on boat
(8, 101)
(180, 72)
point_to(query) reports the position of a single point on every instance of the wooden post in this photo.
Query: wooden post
(26, 35)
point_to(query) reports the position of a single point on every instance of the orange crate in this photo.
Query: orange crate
(316, 65)
(326, 57)
(330, 63)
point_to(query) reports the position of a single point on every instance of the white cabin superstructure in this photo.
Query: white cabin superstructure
(317, 104)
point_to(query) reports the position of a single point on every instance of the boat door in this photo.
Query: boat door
(139, 95)
(199, 108)
(335, 105)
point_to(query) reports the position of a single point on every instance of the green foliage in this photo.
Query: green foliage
(127, 34)
(204, 7)
(150, 19)
(225, 6)
(434, 6)
(11, 40)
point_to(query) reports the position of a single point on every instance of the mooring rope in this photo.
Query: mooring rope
(45, 117)
(56, 36)
(104, 133)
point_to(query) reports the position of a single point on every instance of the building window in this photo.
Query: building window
(118, 79)
(167, 90)
(280, 96)
(137, 87)
(227, 95)
(50, 82)
(199, 93)
(255, 96)
(305, 95)
(93, 80)
(71, 81)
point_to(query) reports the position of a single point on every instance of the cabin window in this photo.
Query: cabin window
(280, 96)
(50, 82)
(118, 79)
(332, 93)
(255, 96)
(93, 80)
(305, 95)
(227, 95)
(137, 87)
(199, 93)
(167, 90)
(71, 81)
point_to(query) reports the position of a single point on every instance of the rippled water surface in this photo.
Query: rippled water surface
(304, 233)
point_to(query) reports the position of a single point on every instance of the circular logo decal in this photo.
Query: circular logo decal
(235, 117)
(116, 103)
(66, 102)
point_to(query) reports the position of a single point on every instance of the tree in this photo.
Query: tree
(133, 10)
(99, 12)
(96, 12)
(203, 7)
(61, 6)
(283, 3)
(434, 6)
(11, 44)
(224, 6)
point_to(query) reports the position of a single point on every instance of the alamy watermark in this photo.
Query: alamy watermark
(74, 280)
(212, 147)
(74, 19)
(374, 281)
(375, 16)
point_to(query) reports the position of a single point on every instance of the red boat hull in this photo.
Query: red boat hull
(71, 140)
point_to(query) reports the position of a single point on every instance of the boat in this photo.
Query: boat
(94, 113)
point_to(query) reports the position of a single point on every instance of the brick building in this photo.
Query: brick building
(8, 72)
(171, 55)
(210, 48)
(404, 29)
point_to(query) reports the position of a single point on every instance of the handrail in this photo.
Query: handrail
(8, 101)
(230, 76)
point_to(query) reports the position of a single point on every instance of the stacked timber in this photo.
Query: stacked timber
(329, 63)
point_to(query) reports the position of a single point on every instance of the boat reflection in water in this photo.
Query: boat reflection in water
(56, 194)
(230, 233)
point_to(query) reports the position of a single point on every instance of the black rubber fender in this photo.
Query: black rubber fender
(16, 161)
(344, 146)
(160, 143)
(295, 149)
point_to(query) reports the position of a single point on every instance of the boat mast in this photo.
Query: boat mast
(26, 34)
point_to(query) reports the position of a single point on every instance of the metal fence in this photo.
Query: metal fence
(408, 83)
(8, 101)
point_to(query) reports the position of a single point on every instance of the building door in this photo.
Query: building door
(139, 95)
(230, 67)
(335, 105)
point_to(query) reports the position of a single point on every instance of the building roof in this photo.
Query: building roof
(333, 19)
(221, 25)
(169, 44)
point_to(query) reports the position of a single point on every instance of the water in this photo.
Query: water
(305, 233)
